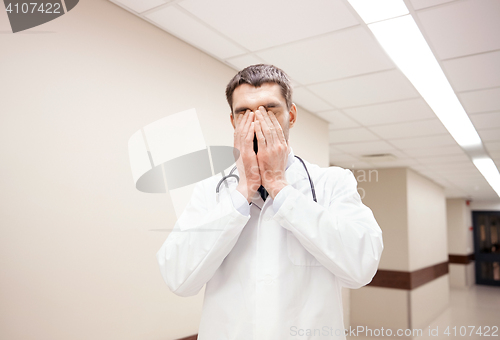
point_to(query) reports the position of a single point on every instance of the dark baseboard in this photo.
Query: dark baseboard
(191, 337)
(461, 259)
(408, 280)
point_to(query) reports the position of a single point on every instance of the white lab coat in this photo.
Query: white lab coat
(274, 275)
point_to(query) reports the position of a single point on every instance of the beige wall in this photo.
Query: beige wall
(309, 138)
(460, 241)
(78, 256)
(462, 275)
(411, 212)
(428, 245)
(428, 301)
(460, 238)
(485, 205)
(378, 307)
(426, 222)
(386, 194)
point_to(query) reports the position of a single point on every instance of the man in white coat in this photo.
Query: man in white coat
(273, 258)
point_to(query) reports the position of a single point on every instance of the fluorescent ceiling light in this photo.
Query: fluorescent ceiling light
(401, 38)
(488, 169)
(403, 41)
(373, 11)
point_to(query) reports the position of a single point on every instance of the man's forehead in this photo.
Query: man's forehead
(250, 92)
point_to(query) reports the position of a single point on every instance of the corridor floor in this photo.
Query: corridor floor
(476, 306)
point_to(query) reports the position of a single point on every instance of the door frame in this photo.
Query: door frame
(483, 257)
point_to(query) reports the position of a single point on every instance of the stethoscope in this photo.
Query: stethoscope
(238, 179)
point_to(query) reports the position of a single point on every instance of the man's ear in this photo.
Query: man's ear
(292, 115)
(232, 119)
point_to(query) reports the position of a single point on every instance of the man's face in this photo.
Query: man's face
(247, 97)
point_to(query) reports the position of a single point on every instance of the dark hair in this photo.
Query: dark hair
(256, 75)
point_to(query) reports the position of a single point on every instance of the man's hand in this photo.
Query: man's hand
(248, 168)
(273, 151)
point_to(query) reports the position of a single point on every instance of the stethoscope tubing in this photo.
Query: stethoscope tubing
(313, 191)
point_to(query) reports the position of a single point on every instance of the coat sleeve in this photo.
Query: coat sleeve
(344, 236)
(202, 237)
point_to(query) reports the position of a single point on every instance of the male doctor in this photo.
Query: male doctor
(273, 259)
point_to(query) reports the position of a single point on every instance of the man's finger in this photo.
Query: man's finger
(261, 140)
(264, 127)
(270, 125)
(244, 126)
(277, 128)
(249, 136)
(248, 122)
(267, 119)
(239, 119)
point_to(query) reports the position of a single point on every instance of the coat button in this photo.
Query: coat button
(268, 279)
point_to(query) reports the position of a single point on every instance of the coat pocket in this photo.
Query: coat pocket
(297, 254)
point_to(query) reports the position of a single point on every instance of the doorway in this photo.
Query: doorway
(487, 247)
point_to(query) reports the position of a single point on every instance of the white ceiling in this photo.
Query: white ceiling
(341, 74)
